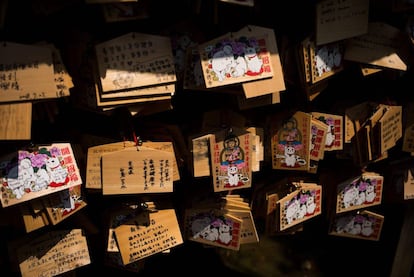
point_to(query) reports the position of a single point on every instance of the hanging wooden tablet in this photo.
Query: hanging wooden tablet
(258, 147)
(367, 70)
(63, 204)
(317, 145)
(358, 225)
(147, 234)
(33, 220)
(335, 135)
(409, 185)
(116, 218)
(381, 46)
(300, 205)
(389, 128)
(131, 96)
(231, 152)
(27, 71)
(234, 202)
(272, 213)
(31, 174)
(375, 131)
(167, 146)
(236, 58)
(277, 82)
(339, 20)
(361, 146)
(291, 143)
(16, 123)
(53, 253)
(302, 55)
(248, 232)
(201, 155)
(265, 206)
(408, 136)
(63, 80)
(213, 227)
(359, 192)
(272, 227)
(135, 60)
(93, 164)
(326, 60)
(137, 95)
(355, 116)
(235, 206)
(305, 59)
(132, 171)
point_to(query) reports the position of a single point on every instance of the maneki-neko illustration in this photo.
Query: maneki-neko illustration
(236, 58)
(231, 160)
(291, 144)
(32, 174)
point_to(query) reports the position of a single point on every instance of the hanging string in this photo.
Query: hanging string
(137, 140)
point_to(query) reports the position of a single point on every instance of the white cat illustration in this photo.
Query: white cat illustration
(58, 174)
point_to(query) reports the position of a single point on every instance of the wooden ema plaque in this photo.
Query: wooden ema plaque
(325, 60)
(93, 168)
(291, 143)
(201, 155)
(213, 227)
(408, 136)
(167, 146)
(53, 253)
(358, 225)
(16, 123)
(63, 80)
(248, 232)
(27, 71)
(390, 127)
(63, 204)
(236, 58)
(409, 185)
(339, 20)
(137, 95)
(32, 219)
(135, 60)
(277, 82)
(360, 192)
(147, 234)
(135, 170)
(231, 153)
(33, 174)
(317, 144)
(381, 46)
(335, 134)
(236, 206)
(116, 218)
(319, 131)
(300, 205)
(355, 117)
